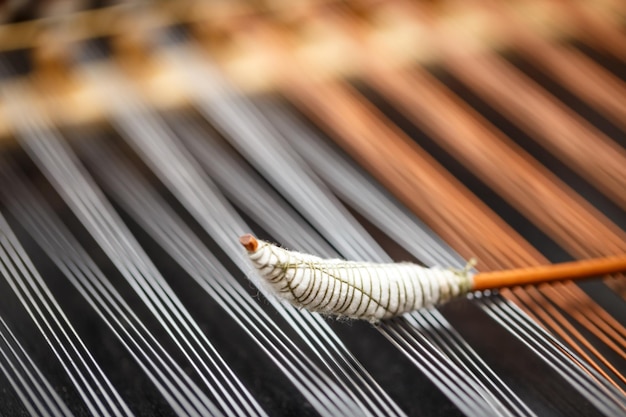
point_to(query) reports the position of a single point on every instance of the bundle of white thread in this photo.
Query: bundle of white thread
(360, 290)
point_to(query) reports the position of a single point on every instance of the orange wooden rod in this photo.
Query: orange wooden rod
(563, 271)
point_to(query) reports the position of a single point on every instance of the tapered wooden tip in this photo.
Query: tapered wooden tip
(249, 242)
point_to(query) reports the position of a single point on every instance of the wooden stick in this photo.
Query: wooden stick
(563, 271)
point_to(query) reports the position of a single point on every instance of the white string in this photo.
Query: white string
(38, 217)
(92, 385)
(262, 145)
(66, 174)
(27, 380)
(370, 199)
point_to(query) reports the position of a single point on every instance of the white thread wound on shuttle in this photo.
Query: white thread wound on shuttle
(360, 290)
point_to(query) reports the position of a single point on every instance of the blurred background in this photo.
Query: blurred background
(139, 140)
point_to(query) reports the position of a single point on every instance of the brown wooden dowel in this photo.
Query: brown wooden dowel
(535, 275)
